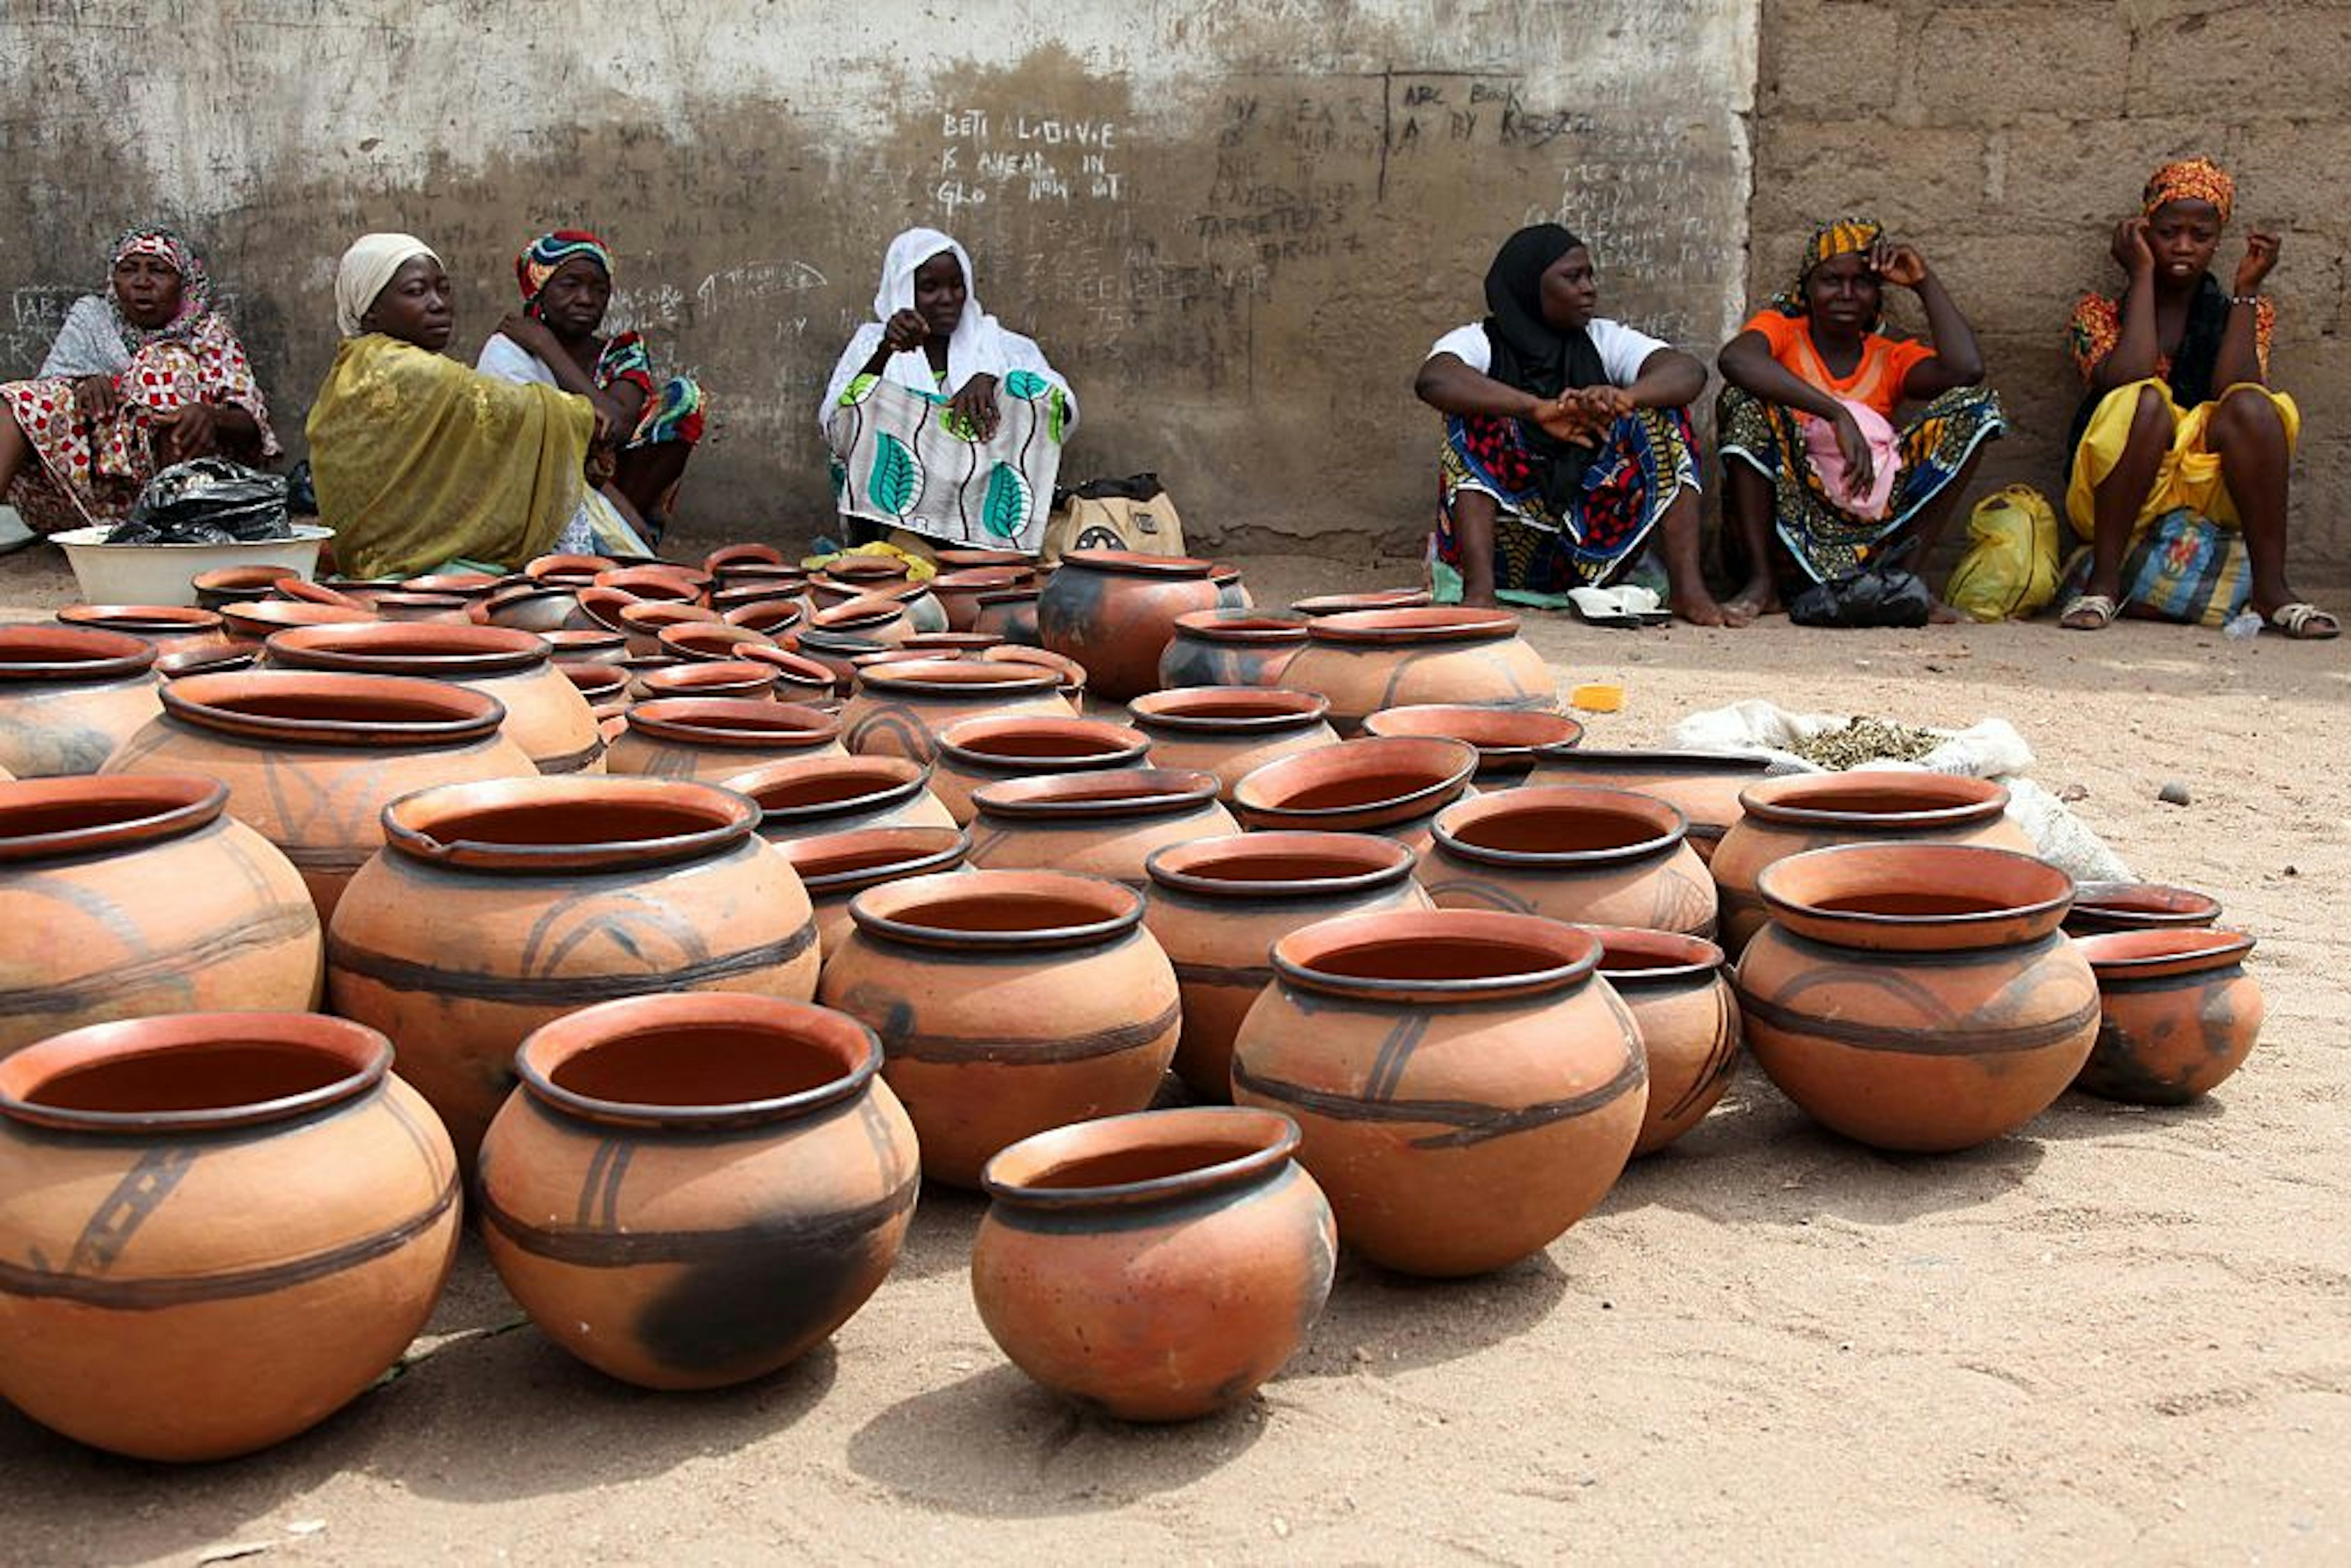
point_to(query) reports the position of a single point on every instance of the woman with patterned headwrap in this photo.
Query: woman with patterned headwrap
(566, 279)
(2180, 413)
(145, 375)
(1806, 419)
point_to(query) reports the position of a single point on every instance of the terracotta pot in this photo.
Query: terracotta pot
(1376, 599)
(644, 622)
(1589, 857)
(771, 618)
(606, 690)
(303, 592)
(1372, 659)
(759, 595)
(2103, 906)
(924, 613)
(747, 554)
(711, 641)
(674, 585)
(167, 628)
(899, 709)
(124, 897)
(257, 622)
(1783, 817)
(1218, 906)
(541, 607)
(221, 659)
(1231, 648)
(1678, 993)
(465, 585)
(1157, 1267)
(872, 618)
(1010, 614)
(1008, 1002)
(1395, 787)
(433, 609)
(1468, 1086)
(637, 667)
(727, 678)
(975, 752)
(68, 698)
(1068, 671)
(865, 573)
(234, 585)
(585, 567)
(587, 646)
(546, 714)
(814, 797)
(2178, 1013)
(742, 573)
(602, 606)
(1916, 996)
(236, 1222)
(1511, 742)
(963, 558)
(945, 644)
(710, 739)
(368, 591)
(311, 758)
(1115, 613)
(753, 1180)
(1096, 824)
(836, 867)
(1231, 731)
(798, 679)
(837, 653)
(958, 593)
(1705, 786)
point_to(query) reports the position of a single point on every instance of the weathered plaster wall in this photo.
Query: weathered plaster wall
(2008, 140)
(1237, 224)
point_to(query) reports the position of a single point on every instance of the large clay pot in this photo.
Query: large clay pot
(1157, 1267)
(1010, 614)
(166, 628)
(219, 1229)
(125, 897)
(1511, 742)
(974, 752)
(263, 619)
(1372, 659)
(1114, 610)
(578, 570)
(1376, 599)
(836, 867)
(68, 698)
(495, 908)
(1008, 1002)
(310, 759)
(712, 641)
(714, 678)
(1391, 787)
(1918, 997)
(1218, 906)
(1678, 992)
(546, 714)
(2103, 906)
(1589, 857)
(1095, 824)
(1468, 1086)
(1705, 786)
(812, 797)
(1231, 648)
(900, 707)
(710, 739)
(958, 593)
(692, 1191)
(1783, 817)
(1231, 731)
(798, 679)
(2178, 1013)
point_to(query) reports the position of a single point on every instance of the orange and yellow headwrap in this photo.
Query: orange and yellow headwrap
(2191, 180)
(1829, 241)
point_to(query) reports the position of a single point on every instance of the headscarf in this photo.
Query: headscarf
(540, 259)
(978, 343)
(196, 285)
(1831, 240)
(1532, 355)
(2191, 179)
(366, 267)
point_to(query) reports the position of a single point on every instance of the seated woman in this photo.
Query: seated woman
(143, 377)
(419, 461)
(1811, 381)
(566, 279)
(2179, 412)
(1567, 439)
(940, 419)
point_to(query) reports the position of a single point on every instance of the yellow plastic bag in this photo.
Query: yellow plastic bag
(2010, 569)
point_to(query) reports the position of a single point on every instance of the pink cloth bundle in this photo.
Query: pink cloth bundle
(1828, 461)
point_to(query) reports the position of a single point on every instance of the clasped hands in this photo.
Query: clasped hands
(1582, 416)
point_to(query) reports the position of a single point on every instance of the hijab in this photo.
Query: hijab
(976, 344)
(1535, 356)
(366, 267)
(195, 286)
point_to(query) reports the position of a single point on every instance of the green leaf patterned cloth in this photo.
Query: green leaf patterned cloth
(904, 460)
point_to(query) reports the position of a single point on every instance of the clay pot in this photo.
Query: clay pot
(1231, 731)
(836, 652)
(747, 554)
(303, 592)
(226, 585)
(1218, 906)
(864, 573)
(836, 867)
(1068, 671)
(950, 644)
(586, 646)
(68, 698)
(1372, 659)
(753, 1181)
(958, 593)
(710, 739)
(965, 559)
(467, 585)
(636, 667)
(644, 622)
(1096, 824)
(674, 585)
(310, 759)
(1231, 648)
(727, 678)
(1678, 993)
(2103, 906)
(546, 714)
(367, 590)
(236, 1221)
(870, 618)
(1916, 996)
(1157, 1267)
(602, 606)
(899, 709)
(798, 679)
(1704, 786)
(1783, 817)
(124, 897)
(1008, 1002)
(258, 622)
(1376, 599)
(432, 609)
(758, 595)
(1393, 787)
(1468, 1087)
(580, 569)
(1115, 613)
(749, 573)
(221, 659)
(711, 641)
(1010, 614)
(975, 752)
(2178, 1013)
(813, 797)
(1589, 857)
(167, 628)
(771, 618)
(541, 607)
(1511, 742)
(605, 689)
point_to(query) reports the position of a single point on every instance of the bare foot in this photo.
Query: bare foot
(1697, 607)
(1478, 599)
(1752, 602)
(1942, 615)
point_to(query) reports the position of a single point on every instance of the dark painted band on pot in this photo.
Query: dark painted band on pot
(1472, 1122)
(599, 1248)
(284, 922)
(1958, 1039)
(1035, 1051)
(563, 990)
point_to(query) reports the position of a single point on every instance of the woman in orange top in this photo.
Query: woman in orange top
(1816, 356)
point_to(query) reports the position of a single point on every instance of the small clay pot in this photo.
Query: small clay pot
(1102, 823)
(2104, 906)
(674, 585)
(771, 616)
(727, 678)
(1115, 613)
(711, 640)
(257, 622)
(1511, 741)
(68, 698)
(1008, 1002)
(590, 645)
(435, 609)
(750, 553)
(958, 593)
(1391, 787)
(798, 679)
(1376, 599)
(580, 570)
(1704, 786)
(1678, 993)
(836, 867)
(1231, 731)
(167, 628)
(1231, 648)
(1068, 671)
(2178, 1013)
(1589, 857)
(644, 621)
(540, 607)
(900, 707)
(1157, 1267)
(753, 1181)
(274, 1216)
(710, 739)
(974, 752)
(837, 653)
(226, 585)
(813, 797)
(1010, 614)
(872, 618)
(1372, 659)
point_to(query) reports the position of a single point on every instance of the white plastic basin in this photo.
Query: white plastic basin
(161, 574)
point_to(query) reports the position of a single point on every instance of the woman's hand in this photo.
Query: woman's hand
(904, 332)
(975, 401)
(2261, 255)
(2130, 246)
(1901, 264)
(1564, 418)
(1605, 405)
(95, 396)
(1860, 473)
(531, 333)
(191, 430)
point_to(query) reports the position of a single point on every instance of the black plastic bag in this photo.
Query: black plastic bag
(207, 501)
(1875, 596)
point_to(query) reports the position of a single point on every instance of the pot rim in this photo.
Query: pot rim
(1874, 929)
(791, 668)
(566, 561)
(158, 806)
(2175, 907)
(907, 778)
(879, 911)
(407, 820)
(741, 552)
(1132, 793)
(1617, 802)
(1763, 800)
(1577, 949)
(1276, 1137)
(1315, 605)
(214, 658)
(439, 651)
(989, 596)
(2157, 951)
(1133, 563)
(1417, 623)
(949, 846)
(1411, 803)
(261, 619)
(1688, 957)
(464, 584)
(164, 619)
(200, 701)
(1469, 717)
(364, 1052)
(74, 653)
(1124, 746)
(695, 676)
(1251, 628)
(741, 723)
(955, 679)
(1164, 710)
(864, 612)
(1173, 866)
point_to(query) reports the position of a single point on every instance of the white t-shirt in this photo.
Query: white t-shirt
(1622, 351)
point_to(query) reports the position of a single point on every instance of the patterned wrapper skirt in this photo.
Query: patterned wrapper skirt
(1646, 459)
(1826, 540)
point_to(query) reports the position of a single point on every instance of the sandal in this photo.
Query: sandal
(2304, 622)
(2087, 613)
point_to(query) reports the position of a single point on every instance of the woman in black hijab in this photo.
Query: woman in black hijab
(1567, 440)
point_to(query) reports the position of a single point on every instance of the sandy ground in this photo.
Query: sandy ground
(2120, 1335)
